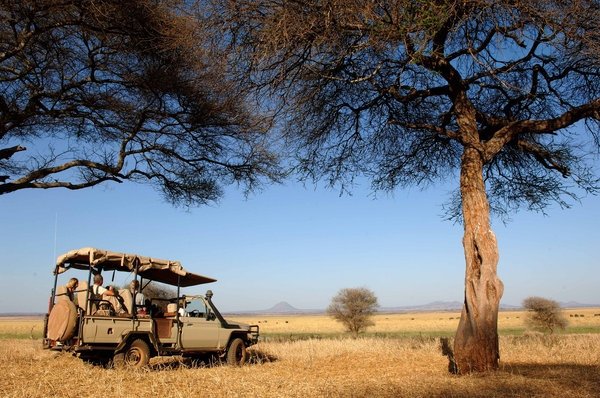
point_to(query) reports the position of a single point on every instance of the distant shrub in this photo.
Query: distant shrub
(354, 307)
(544, 314)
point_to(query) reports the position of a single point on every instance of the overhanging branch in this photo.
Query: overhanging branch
(548, 126)
(6, 153)
(546, 158)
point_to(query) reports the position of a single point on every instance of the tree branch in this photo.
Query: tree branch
(6, 153)
(513, 129)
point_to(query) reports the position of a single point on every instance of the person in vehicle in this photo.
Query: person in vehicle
(101, 293)
(71, 287)
(183, 305)
(138, 297)
(100, 290)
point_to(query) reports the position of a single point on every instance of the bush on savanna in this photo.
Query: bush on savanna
(544, 314)
(354, 307)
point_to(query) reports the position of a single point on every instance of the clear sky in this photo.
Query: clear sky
(296, 244)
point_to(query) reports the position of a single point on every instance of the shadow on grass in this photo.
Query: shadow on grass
(255, 357)
(585, 378)
(258, 357)
(529, 380)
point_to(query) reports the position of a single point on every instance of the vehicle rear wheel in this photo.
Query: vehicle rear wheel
(236, 353)
(136, 355)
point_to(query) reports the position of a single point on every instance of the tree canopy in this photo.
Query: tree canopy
(103, 90)
(385, 89)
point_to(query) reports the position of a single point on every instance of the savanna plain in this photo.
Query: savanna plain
(311, 356)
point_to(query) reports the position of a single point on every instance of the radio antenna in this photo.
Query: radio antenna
(55, 235)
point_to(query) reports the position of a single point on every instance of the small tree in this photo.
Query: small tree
(544, 314)
(354, 308)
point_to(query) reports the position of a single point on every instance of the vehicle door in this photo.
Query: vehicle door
(199, 329)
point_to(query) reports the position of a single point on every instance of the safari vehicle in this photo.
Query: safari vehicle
(96, 331)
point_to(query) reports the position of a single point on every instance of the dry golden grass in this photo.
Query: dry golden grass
(532, 365)
(19, 327)
(407, 323)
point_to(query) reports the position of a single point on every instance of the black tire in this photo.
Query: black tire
(236, 353)
(136, 355)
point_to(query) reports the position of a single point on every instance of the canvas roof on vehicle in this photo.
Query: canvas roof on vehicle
(165, 271)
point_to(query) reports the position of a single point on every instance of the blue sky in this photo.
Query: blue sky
(296, 244)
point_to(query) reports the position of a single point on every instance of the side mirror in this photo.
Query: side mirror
(210, 316)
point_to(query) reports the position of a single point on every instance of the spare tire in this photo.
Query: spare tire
(62, 321)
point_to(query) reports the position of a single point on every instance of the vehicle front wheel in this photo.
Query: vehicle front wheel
(236, 353)
(136, 355)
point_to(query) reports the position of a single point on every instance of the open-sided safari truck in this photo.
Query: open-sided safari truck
(91, 326)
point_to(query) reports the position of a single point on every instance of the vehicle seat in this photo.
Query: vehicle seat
(127, 300)
(171, 309)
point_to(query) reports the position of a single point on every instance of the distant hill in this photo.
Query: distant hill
(284, 308)
(575, 304)
(438, 306)
(457, 306)
(281, 308)
(21, 315)
(433, 306)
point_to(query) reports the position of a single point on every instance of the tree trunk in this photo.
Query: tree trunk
(476, 346)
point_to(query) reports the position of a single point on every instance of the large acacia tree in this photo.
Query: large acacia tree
(104, 90)
(414, 92)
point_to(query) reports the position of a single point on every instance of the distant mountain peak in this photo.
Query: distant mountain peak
(282, 307)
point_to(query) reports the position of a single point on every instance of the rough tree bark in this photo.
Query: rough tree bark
(476, 346)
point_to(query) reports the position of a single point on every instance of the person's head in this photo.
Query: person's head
(98, 279)
(72, 284)
(134, 286)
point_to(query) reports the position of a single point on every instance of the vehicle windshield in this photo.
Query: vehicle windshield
(196, 305)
